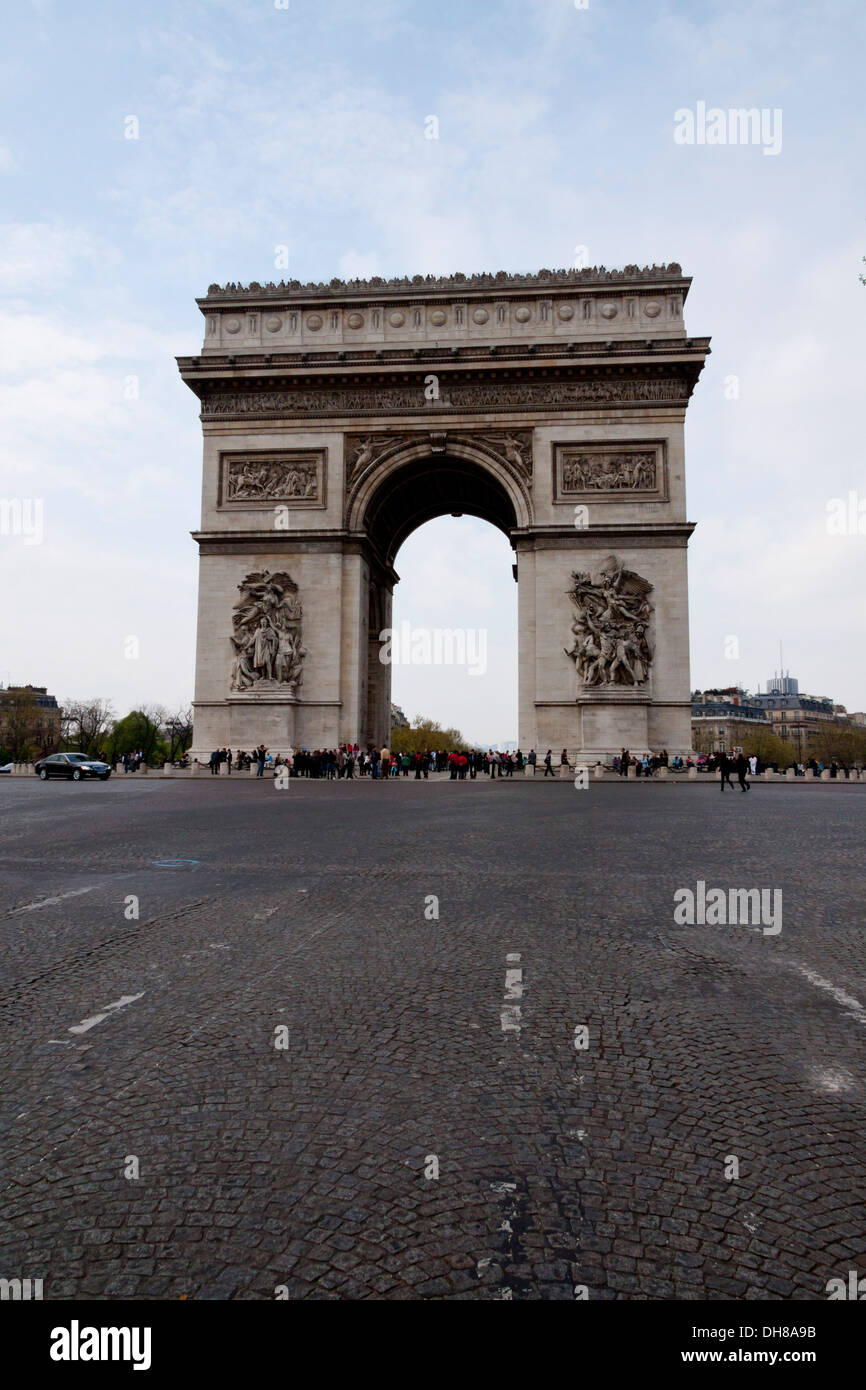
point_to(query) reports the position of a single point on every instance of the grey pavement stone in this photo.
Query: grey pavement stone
(306, 1167)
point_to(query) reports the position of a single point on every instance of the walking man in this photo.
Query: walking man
(742, 769)
(548, 764)
(725, 767)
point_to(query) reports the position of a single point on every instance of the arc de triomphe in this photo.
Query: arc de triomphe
(338, 418)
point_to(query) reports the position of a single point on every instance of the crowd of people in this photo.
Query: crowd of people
(379, 764)
(647, 764)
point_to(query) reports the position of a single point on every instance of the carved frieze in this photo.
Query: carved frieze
(294, 476)
(266, 635)
(457, 395)
(602, 473)
(363, 450)
(513, 447)
(611, 645)
(510, 448)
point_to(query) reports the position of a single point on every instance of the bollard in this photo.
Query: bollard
(631, 772)
(529, 770)
(693, 774)
(598, 771)
(662, 771)
(166, 769)
(825, 775)
(564, 770)
(143, 767)
(790, 772)
(768, 774)
(810, 774)
(253, 769)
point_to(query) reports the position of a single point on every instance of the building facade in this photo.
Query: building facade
(29, 721)
(719, 716)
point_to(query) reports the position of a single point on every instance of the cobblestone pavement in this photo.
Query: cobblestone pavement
(152, 1044)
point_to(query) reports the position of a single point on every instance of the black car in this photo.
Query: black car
(74, 765)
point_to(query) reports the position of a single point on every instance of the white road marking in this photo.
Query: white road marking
(121, 1003)
(834, 1080)
(510, 1016)
(514, 984)
(52, 902)
(853, 1008)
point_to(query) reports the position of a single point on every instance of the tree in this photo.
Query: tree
(178, 727)
(752, 738)
(85, 725)
(141, 731)
(424, 733)
(18, 713)
(841, 743)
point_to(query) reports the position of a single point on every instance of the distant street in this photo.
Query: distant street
(288, 1077)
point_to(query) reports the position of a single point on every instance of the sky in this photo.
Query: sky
(263, 124)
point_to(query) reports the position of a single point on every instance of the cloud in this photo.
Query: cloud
(36, 256)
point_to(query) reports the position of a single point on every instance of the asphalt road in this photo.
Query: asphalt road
(286, 1076)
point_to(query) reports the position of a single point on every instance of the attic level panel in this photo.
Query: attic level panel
(578, 319)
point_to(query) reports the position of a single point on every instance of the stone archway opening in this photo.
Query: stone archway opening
(455, 629)
(405, 497)
(427, 488)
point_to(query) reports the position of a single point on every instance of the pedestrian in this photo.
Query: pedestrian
(229, 761)
(548, 764)
(261, 754)
(725, 768)
(742, 769)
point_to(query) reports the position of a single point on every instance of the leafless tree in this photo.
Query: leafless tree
(178, 727)
(85, 723)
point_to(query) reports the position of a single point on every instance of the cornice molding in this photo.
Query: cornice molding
(534, 354)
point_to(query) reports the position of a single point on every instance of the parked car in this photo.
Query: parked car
(74, 765)
(7, 767)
